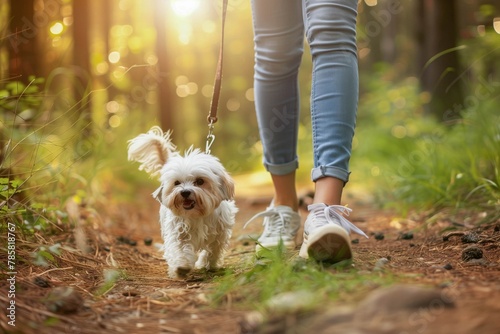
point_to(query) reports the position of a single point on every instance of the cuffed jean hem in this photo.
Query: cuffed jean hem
(323, 171)
(282, 169)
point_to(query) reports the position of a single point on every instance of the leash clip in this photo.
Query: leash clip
(210, 136)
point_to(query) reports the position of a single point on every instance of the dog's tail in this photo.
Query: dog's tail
(151, 149)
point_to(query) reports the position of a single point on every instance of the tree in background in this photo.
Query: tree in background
(81, 61)
(166, 91)
(437, 37)
(21, 45)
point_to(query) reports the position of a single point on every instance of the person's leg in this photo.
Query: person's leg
(328, 190)
(285, 193)
(331, 33)
(279, 37)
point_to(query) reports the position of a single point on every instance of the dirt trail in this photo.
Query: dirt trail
(144, 300)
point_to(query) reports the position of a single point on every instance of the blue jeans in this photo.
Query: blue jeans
(330, 28)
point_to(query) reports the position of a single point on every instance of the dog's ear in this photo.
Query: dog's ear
(151, 149)
(227, 186)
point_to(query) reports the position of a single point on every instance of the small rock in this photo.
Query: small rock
(148, 241)
(448, 266)
(406, 236)
(472, 252)
(379, 236)
(292, 301)
(401, 298)
(470, 238)
(63, 300)
(380, 264)
(127, 241)
(252, 321)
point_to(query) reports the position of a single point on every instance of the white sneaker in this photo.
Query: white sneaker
(326, 233)
(281, 224)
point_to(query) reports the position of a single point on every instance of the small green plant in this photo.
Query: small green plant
(22, 100)
(111, 277)
(26, 216)
(44, 256)
(9, 188)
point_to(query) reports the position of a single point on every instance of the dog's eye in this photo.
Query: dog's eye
(176, 183)
(199, 182)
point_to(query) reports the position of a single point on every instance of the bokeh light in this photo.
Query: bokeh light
(184, 7)
(114, 121)
(496, 24)
(112, 107)
(114, 57)
(398, 131)
(249, 95)
(233, 104)
(57, 28)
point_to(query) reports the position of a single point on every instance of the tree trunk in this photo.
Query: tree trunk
(165, 89)
(82, 72)
(438, 57)
(22, 46)
(81, 45)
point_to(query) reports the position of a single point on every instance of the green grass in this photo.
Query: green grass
(458, 169)
(411, 161)
(287, 283)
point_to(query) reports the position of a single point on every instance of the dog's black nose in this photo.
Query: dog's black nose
(185, 193)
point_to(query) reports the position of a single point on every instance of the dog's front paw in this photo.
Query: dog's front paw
(202, 262)
(179, 272)
(182, 272)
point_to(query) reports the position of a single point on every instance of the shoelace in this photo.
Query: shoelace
(334, 215)
(279, 225)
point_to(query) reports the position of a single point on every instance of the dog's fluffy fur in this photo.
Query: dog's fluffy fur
(196, 194)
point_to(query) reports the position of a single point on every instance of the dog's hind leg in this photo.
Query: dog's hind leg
(215, 254)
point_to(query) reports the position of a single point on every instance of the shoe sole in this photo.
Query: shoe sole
(329, 243)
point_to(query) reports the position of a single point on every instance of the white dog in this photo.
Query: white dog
(196, 194)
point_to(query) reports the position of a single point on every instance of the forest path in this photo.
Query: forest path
(122, 287)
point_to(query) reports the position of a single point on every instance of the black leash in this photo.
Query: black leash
(212, 115)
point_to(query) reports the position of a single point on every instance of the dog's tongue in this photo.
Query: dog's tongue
(188, 204)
